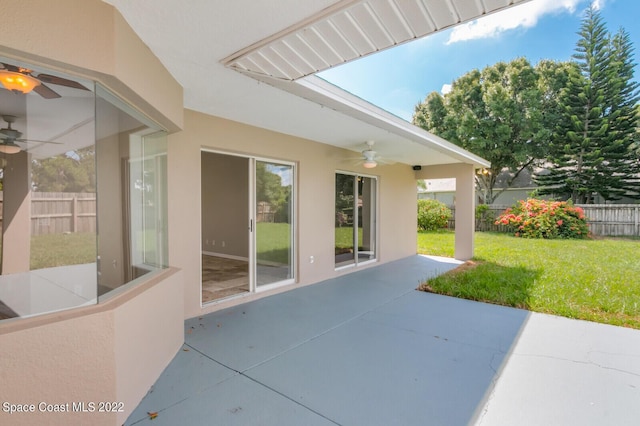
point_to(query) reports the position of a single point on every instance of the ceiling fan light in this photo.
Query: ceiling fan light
(18, 82)
(369, 164)
(9, 148)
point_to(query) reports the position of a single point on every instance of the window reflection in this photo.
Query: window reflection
(131, 181)
(355, 219)
(274, 222)
(66, 209)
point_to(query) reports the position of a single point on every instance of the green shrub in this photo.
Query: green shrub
(484, 217)
(545, 219)
(432, 215)
(483, 212)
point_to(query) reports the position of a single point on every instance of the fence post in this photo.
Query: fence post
(637, 219)
(74, 213)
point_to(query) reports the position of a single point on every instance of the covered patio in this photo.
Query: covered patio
(367, 348)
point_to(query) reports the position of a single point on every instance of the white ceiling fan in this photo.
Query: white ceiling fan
(9, 136)
(370, 158)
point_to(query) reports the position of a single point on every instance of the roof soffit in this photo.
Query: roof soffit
(350, 29)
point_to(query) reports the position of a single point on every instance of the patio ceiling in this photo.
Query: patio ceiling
(351, 29)
(204, 43)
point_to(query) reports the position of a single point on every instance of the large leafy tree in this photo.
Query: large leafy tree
(270, 189)
(70, 172)
(592, 150)
(501, 113)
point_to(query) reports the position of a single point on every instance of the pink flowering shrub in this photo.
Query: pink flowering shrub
(545, 219)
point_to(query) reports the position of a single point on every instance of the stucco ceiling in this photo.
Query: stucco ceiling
(193, 38)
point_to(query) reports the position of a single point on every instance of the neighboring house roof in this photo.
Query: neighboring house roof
(192, 39)
(523, 180)
(439, 185)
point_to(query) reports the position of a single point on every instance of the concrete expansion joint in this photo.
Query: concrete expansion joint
(242, 373)
(291, 399)
(490, 393)
(191, 348)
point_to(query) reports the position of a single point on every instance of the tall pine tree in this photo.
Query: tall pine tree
(592, 146)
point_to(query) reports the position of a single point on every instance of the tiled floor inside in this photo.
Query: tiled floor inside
(222, 277)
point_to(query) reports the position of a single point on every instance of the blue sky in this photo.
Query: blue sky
(399, 78)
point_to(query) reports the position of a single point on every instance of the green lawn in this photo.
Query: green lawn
(62, 249)
(344, 237)
(596, 280)
(273, 242)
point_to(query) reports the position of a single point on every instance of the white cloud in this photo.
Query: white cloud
(525, 15)
(446, 88)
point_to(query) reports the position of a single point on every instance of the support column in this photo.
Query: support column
(465, 212)
(465, 202)
(16, 220)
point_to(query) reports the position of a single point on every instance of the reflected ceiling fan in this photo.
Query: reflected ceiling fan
(22, 80)
(9, 136)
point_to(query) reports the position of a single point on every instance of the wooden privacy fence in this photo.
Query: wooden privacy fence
(265, 212)
(613, 219)
(62, 212)
(622, 220)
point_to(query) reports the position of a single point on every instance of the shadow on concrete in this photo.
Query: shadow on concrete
(363, 348)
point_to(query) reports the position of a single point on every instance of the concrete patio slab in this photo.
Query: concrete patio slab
(190, 373)
(366, 348)
(237, 401)
(386, 369)
(568, 372)
(270, 326)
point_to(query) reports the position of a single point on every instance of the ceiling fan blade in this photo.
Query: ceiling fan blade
(52, 79)
(27, 141)
(10, 67)
(46, 92)
(385, 161)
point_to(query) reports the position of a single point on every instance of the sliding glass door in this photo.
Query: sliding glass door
(247, 211)
(355, 219)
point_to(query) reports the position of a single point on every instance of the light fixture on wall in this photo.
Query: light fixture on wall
(18, 82)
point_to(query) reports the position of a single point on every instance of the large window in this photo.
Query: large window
(355, 219)
(83, 193)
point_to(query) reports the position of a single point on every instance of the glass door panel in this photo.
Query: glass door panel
(355, 219)
(344, 220)
(366, 218)
(273, 222)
